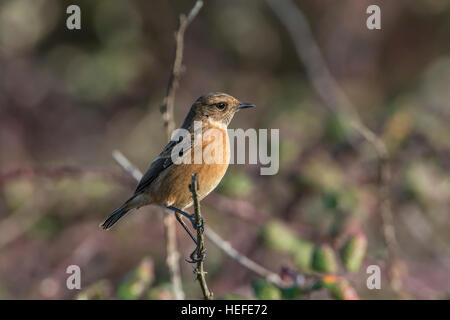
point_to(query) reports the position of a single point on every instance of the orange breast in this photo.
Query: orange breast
(172, 187)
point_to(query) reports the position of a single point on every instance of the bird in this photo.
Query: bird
(166, 182)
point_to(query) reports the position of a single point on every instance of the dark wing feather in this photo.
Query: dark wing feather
(161, 163)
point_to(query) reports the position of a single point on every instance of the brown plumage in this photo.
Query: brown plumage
(165, 183)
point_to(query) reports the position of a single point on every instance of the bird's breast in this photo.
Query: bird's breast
(209, 158)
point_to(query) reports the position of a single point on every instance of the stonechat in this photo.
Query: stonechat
(165, 184)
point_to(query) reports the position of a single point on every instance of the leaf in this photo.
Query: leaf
(303, 255)
(353, 252)
(266, 291)
(278, 236)
(294, 292)
(324, 259)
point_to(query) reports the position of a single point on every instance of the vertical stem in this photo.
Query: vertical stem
(173, 257)
(167, 109)
(200, 273)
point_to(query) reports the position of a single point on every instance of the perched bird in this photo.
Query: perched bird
(165, 183)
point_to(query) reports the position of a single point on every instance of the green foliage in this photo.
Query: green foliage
(289, 151)
(322, 174)
(236, 184)
(353, 252)
(47, 227)
(293, 292)
(427, 183)
(18, 193)
(136, 283)
(264, 290)
(303, 255)
(324, 259)
(278, 236)
(337, 129)
(99, 290)
(309, 257)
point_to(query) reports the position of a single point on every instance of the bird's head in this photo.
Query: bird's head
(216, 107)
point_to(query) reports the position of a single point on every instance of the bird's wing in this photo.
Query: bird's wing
(162, 162)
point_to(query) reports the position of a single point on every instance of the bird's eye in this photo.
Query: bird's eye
(221, 105)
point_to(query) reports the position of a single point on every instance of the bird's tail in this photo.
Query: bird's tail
(132, 203)
(115, 216)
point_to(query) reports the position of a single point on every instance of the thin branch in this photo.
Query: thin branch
(127, 165)
(167, 109)
(226, 247)
(199, 271)
(173, 257)
(177, 69)
(336, 101)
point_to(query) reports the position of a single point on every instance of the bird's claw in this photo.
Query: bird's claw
(195, 225)
(197, 259)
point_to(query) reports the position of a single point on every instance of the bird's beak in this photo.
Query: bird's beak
(244, 105)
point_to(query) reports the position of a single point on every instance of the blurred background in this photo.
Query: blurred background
(70, 97)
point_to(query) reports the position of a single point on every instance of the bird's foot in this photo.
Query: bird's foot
(191, 218)
(195, 225)
(199, 258)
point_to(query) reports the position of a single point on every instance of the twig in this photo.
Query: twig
(226, 247)
(217, 240)
(199, 271)
(127, 165)
(174, 80)
(173, 256)
(337, 102)
(167, 108)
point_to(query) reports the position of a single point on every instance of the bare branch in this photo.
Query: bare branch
(174, 80)
(127, 165)
(226, 247)
(200, 273)
(167, 114)
(173, 256)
